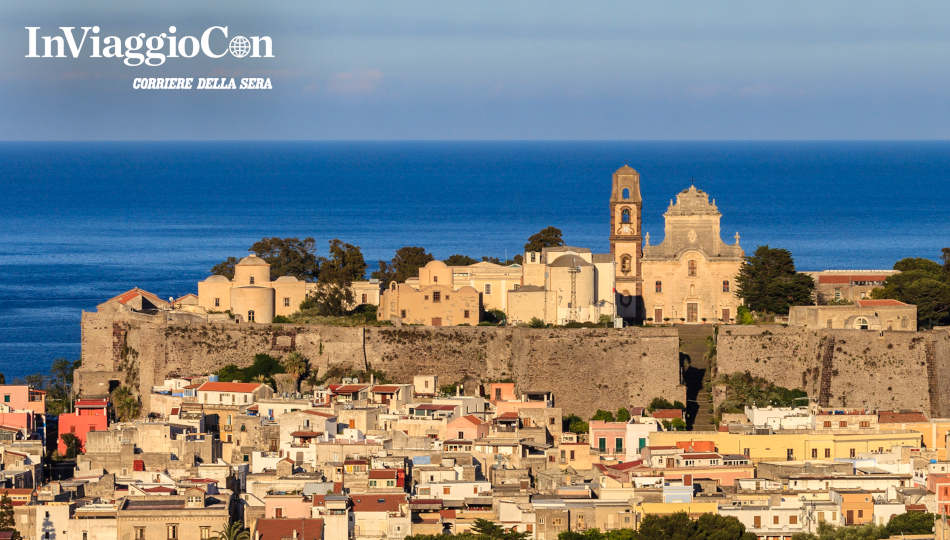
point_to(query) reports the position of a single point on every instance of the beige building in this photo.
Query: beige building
(847, 285)
(690, 276)
(492, 281)
(563, 284)
(431, 299)
(885, 314)
(252, 297)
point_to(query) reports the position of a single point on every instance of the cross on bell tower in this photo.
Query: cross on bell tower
(626, 240)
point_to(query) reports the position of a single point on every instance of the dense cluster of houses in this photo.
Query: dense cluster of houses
(361, 460)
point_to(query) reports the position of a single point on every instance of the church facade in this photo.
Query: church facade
(689, 277)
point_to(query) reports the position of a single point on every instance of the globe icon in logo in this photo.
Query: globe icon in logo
(239, 46)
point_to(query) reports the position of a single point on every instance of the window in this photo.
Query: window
(774, 520)
(827, 423)
(572, 455)
(837, 293)
(278, 512)
(691, 268)
(85, 535)
(618, 444)
(435, 279)
(814, 453)
(252, 280)
(402, 314)
(286, 301)
(793, 520)
(725, 285)
(757, 522)
(625, 193)
(861, 323)
(465, 315)
(172, 531)
(446, 490)
(140, 533)
(250, 315)
(533, 256)
(6, 398)
(488, 288)
(865, 424)
(602, 444)
(363, 298)
(625, 215)
(827, 452)
(217, 302)
(843, 423)
(659, 286)
(205, 533)
(821, 516)
(851, 453)
(860, 513)
(436, 296)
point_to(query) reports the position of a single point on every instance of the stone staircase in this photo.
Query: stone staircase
(696, 375)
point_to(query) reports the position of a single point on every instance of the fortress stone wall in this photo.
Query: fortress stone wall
(845, 368)
(586, 369)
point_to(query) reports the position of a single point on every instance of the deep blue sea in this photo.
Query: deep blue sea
(81, 222)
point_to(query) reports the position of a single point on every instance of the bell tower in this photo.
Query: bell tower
(626, 241)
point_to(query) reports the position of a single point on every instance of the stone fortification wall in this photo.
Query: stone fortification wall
(586, 369)
(845, 368)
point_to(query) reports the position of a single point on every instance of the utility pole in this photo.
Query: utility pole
(574, 270)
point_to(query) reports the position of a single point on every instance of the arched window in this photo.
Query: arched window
(625, 216)
(691, 268)
(861, 323)
(626, 193)
(625, 264)
(250, 315)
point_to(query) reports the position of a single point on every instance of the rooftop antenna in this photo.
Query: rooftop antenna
(574, 270)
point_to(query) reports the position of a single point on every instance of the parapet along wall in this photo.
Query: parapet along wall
(845, 368)
(586, 369)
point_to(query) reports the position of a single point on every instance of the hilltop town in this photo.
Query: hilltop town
(562, 394)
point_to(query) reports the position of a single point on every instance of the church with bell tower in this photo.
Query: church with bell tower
(689, 277)
(626, 241)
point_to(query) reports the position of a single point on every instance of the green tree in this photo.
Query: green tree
(459, 260)
(744, 315)
(547, 237)
(489, 530)
(767, 281)
(286, 256)
(623, 415)
(125, 404)
(536, 323)
(921, 282)
(344, 265)
(60, 388)
(911, 523)
(296, 365)
(234, 531)
(264, 364)
(405, 264)
(329, 300)
(603, 415)
(574, 424)
(73, 445)
(7, 518)
(679, 526)
(744, 390)
(662, 403)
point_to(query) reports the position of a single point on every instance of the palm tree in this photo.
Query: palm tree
(296, 364)
(234, 531)
(125, 403)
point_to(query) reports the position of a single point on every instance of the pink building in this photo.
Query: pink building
(287, 506)
(467, 428)
(939, 484)
(23, 398)
(501, 391)
(90, 415)
(608, 437)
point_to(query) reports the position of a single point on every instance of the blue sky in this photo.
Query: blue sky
(529, 69)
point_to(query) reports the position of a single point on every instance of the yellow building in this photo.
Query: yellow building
(822, 446)
(884, 314)
(431, 299)
(492, 281)
(690, 276)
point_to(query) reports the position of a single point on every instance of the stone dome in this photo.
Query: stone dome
(252, 260)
